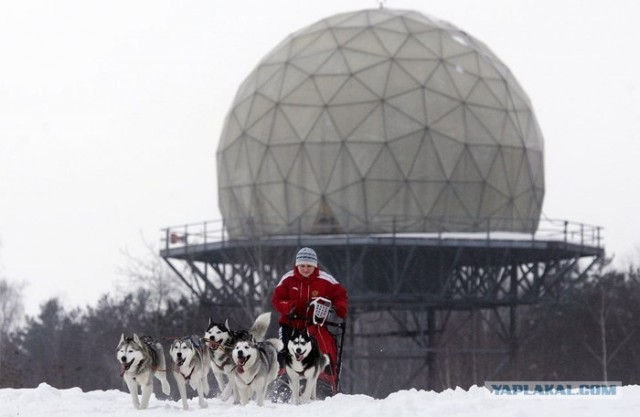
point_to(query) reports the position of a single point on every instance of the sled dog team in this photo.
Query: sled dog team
(243, 363)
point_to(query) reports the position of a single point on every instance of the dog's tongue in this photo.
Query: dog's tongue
(125, 367)
(241, 362)
(299, 357)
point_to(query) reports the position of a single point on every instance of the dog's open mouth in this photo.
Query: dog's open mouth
(180, 361)
(213, 344)
(241, 362)
(299, 357)
(125, 367)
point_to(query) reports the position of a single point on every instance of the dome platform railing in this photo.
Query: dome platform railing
(216, 231)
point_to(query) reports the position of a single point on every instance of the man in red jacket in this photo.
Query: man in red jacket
(297, 289)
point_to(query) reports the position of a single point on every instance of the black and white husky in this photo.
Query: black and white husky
(256, 367)
(220, 340)
(142, 358)
(303, 360)
(190, 366)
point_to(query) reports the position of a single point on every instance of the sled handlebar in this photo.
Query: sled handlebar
(321, 309)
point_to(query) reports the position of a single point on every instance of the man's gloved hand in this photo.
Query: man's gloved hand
(298, 307)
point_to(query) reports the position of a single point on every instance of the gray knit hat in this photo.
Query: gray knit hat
(307, 256)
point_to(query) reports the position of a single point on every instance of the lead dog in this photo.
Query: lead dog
(256, 366)
(303, 360)
(142, 358)
(220, 340)
(191, 366)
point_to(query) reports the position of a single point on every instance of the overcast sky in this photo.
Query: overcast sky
(110, 114)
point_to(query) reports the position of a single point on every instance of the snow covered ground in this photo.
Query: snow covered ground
(51, 402)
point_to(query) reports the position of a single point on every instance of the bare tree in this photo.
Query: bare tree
(151, 273)
(11, 316)
(606, 309)
(11, 306)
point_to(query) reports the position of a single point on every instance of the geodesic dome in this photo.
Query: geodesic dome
(380, 121)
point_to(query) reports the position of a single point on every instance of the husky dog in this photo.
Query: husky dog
(220, 340)
(256, 366)
(191, 365)
(141, 359)
(303, 360)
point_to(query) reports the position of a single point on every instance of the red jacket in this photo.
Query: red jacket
(296, 291)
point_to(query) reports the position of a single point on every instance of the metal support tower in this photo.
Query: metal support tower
(411, 296)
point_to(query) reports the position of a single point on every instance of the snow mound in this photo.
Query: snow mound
(47, 401)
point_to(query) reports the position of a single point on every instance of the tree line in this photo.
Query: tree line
(594, 334)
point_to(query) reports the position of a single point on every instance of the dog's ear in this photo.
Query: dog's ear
(226, 324)
(121, 338)
(136, 339)
(210, 322)
(195, 341)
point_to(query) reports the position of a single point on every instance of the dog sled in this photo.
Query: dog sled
(329, 331)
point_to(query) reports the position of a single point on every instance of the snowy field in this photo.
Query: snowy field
(51, 402)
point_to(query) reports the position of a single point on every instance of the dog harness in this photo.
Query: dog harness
(226, 362)
(250, 382)
(187, 377)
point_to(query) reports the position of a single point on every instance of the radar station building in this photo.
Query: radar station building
(406, 153)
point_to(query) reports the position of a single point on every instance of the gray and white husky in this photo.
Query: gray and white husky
(142, 358)
(303, 360)
(220, 340)
(190, 366)
(256, 367)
